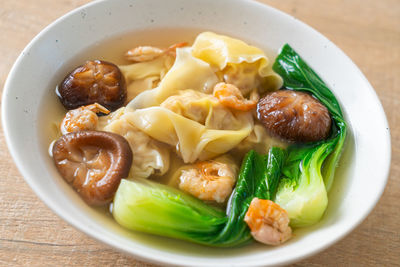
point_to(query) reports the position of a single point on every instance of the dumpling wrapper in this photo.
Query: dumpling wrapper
(149, 156)
(230, 55)
(221, 130)
(187, 72)
(142, 76)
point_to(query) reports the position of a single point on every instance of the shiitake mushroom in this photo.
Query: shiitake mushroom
(94, 162)
(94, 82)
(294, 116)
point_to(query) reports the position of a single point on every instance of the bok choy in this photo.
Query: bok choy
(154, 208)
(309, 169)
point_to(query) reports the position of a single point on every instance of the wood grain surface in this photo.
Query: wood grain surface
(368, 31)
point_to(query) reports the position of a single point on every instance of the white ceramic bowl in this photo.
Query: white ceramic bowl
(29, 96)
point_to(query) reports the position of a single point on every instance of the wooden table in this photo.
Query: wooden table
(367, 30)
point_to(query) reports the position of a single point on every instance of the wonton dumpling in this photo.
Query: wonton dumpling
(244, 76)
(143, 76)
(187, 72)
(236, 60)
(141, 85)
(202, 108)
(196, 124)
(149, 156)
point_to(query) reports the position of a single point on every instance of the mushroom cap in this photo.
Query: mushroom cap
(294, 116)
(94, 162)
(93, 82)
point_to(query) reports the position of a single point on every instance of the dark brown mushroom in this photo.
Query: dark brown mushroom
(94, 82)
(294, 116)
(93, 162)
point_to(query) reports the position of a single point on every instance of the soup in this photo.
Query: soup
(193, 130)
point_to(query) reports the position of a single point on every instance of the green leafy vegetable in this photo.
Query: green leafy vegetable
(309, 169)
(258, 177)
(270, 167)
(154, 208)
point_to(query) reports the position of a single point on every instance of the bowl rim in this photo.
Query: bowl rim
(147, 256)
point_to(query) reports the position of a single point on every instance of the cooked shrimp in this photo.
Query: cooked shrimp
(209, 180)
(82, 118)
(147, 53)
(268, 222)
(143, 53)
(230, 96)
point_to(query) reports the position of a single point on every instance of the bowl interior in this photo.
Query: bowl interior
(104, 29)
